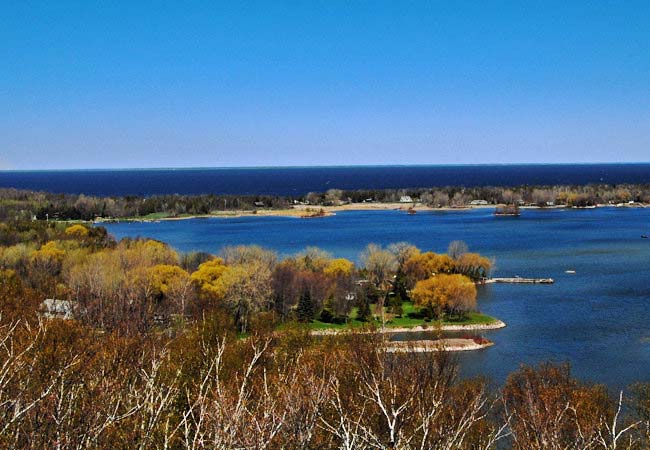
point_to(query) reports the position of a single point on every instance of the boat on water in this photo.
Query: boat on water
(644, 236)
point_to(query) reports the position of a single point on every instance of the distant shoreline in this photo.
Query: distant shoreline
(312, 212)
(43, 205)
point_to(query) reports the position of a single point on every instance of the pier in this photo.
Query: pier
(521, 280)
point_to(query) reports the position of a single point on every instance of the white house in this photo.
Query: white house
(406, 199)
(53, 308)
(478, 202)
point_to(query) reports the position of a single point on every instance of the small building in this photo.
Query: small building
(53, 308)
(507, 210)
(259, 204)
(406, 199)
(478, 202)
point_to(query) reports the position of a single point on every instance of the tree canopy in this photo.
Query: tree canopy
(456, 293)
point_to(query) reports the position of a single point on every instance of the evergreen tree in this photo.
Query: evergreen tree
(399, 286)
(398, 295)
(372, 294)
(305, 309)
(326, 316)
(363, 306)
(395, 303)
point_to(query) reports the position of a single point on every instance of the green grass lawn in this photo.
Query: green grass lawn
(155, 216)
(405, 321)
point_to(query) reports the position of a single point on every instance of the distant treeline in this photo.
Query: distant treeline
(458, 196)
(19, 204)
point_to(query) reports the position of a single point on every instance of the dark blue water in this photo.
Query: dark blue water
(297, 181)
(598, 319)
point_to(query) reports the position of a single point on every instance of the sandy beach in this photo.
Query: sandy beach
(302, 211)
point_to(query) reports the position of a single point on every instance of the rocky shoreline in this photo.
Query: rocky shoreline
(417, 329)
(445, 344)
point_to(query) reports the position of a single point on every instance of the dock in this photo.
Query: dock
(521, 280)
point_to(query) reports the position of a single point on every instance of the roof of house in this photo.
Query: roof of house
(56, 308)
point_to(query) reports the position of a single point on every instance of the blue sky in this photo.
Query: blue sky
(182, 84)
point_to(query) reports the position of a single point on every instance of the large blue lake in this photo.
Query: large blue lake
(298, 181)
(598, 318)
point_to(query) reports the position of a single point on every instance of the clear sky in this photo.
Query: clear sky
(231, 83)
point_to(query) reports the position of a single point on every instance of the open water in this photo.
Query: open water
(298, 181)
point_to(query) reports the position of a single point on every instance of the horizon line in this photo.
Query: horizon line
(326, 166)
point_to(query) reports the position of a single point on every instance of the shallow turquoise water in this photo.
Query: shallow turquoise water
(598, 319)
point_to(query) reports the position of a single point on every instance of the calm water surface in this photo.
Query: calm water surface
(598, 319)
(298, 181)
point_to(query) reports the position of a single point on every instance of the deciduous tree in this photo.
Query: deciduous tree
(455, 292)
(381, 264)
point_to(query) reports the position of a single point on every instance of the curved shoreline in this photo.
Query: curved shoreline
(447, 345)
(417, 329)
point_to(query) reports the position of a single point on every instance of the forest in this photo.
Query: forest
(149, 348)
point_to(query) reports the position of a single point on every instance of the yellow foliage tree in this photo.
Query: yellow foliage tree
(164, 277)
(140, 253)
(339, 267)
(170, 282)
(49, 257)
(45, 266)
(16, 255)
(244, 288)
(78, 231)
(456, 293)
(159, 253)
(421, 266)
(208, 277)
(474, 266)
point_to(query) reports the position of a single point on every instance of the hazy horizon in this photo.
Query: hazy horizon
(595, 163)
